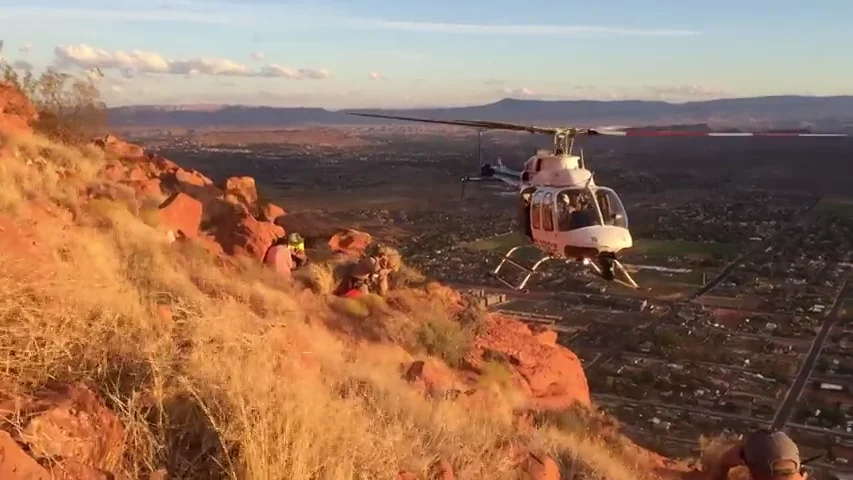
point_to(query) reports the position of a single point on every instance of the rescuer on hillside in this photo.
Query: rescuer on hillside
(370, 273)
(297, 249)
(279, 257)
(768, 455)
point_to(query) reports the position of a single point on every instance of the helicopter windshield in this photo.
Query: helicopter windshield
(611, 207)
(576, 209)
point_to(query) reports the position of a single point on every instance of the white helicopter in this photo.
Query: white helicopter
(563, 213)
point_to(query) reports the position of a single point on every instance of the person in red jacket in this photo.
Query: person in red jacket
(279, 257)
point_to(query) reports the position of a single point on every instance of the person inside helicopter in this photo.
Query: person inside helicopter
(575, 210)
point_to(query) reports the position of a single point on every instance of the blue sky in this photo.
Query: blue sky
(395, 53)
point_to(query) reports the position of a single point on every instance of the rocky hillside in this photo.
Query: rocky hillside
(141, 337)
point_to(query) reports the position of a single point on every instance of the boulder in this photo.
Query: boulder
(243, 189)
(15, 463)
(271, 212)
(190, 182)
(68, 422)
(552, 375)
(241, 233)
(158, 165)
(17, 114)
(181, 213)
(116, 147)
(350, 241)
(544, 335)
(146, 189)
(137, 174)
(191, 177)
(115, 172)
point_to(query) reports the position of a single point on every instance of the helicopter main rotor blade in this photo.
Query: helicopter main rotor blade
(688, 133)
(468, 123)
(627, 132)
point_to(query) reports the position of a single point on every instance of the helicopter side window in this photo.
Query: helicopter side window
(535, 214)
(615, 214)
(548, 212)
(604, 205)
(576, 209)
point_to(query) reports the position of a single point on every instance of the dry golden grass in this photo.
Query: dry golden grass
(242, 381)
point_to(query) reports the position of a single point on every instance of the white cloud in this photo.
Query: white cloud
(278, 71)
(22, 65)
(26, 48)
(137, 62)
(496, 29)
(376, 76)
(257, 55)
(685, 91)
(519, 92)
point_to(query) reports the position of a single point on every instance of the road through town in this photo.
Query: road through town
(784, 412)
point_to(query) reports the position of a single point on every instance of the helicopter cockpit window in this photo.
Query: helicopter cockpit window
(548, 212)
(576, 209)
(535, 214)
(611, 207)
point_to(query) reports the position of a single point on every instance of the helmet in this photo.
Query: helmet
(294, 238)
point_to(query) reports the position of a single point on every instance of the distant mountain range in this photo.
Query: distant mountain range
(789, 111)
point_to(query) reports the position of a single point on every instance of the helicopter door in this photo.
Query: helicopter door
(548, 217)
(611, 207)
(525, 202)
(536, 212)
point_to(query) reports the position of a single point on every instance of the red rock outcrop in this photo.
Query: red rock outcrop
(272, 212)
(118, 148)
(66, 427)
(241, 233)
(551, 374)
(16, 463)
(243, 189)
(17, 114)
(181, 213)
(351, 242)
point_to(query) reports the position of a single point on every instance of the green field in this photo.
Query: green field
(664, 248)
(646, 277)
(500, 243)
(841, 206)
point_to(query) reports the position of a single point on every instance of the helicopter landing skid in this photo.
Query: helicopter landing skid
(529, 271)
(606, 270)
